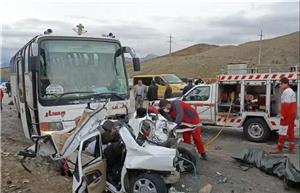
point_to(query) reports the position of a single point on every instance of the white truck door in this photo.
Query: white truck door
(201, 98)
(90, 169)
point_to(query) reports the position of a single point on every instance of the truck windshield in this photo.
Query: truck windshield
(172, 79)
(80, 68)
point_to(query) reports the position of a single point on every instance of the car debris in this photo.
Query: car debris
(155, 128)
(206, 189)
(147, 166)
(173, 190)
(222, 178)
(245, 167)
(25, 181)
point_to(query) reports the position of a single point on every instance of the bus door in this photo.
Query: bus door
(21, 95)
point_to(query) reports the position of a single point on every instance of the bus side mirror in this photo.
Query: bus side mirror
(34, 63)
(136, 64)
(135, 60)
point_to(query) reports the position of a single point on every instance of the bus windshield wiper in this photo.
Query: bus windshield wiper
(109, 95)
(94, 94)
(70, 93)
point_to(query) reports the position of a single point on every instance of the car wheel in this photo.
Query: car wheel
(256, 130)
(190, 155)
(148, 183)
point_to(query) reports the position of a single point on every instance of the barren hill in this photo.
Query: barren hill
(283, 50)
(195, 49)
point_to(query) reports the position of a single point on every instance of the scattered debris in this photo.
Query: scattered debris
(218, 148)
(12, 186)
(245, 167)
(173, 190)
(5, 154)
(206, 189)
(222, 178)
(25, 181)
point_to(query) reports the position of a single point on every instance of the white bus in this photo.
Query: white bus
(53, 78)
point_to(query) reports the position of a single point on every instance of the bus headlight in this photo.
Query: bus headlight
(51, 126)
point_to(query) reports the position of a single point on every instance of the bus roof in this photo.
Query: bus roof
(37, 38)
(74, 37)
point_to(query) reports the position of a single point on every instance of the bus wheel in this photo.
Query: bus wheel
(256, 130)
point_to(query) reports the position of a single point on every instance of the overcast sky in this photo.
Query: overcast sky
(146, 25)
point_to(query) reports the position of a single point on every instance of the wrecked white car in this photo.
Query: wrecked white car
(156, 129)
(107, 156)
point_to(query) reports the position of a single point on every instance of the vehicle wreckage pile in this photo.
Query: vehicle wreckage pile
(142, 154)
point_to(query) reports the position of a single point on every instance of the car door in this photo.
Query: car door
(201, 98)
(90, 170)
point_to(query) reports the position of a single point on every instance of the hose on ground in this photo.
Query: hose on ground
(196, 177)
(224, 126)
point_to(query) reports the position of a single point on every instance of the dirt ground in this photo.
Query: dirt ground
(45, 177)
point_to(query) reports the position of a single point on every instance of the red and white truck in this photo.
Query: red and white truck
(254, 98)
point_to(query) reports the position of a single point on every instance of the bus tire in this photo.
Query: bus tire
(256, 130)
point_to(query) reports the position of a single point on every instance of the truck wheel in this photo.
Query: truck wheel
(189, 154)
(256, 130)
(148, 183)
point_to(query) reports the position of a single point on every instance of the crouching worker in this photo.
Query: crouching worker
(183, 112)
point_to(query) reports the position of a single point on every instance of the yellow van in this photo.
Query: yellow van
(162, 80)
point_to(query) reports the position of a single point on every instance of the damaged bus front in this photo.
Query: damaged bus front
(54, 77)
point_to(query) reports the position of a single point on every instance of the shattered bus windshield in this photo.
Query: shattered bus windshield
(81, 68)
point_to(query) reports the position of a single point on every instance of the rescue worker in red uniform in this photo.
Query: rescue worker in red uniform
(182, 112)
(288, 115)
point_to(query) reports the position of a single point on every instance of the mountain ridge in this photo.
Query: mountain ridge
(280, 50)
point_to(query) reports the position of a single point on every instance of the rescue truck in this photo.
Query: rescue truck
(246, 99)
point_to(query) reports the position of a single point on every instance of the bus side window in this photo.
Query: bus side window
(26, 58)
(29, 53)
(20, 79)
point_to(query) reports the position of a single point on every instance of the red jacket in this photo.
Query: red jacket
(288, 107)
(183, 112)
(1, 94)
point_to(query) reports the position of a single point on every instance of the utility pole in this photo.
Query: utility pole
(260, 42)
(170, 45)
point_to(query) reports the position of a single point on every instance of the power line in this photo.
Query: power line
(260, 42)
(170, 44)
